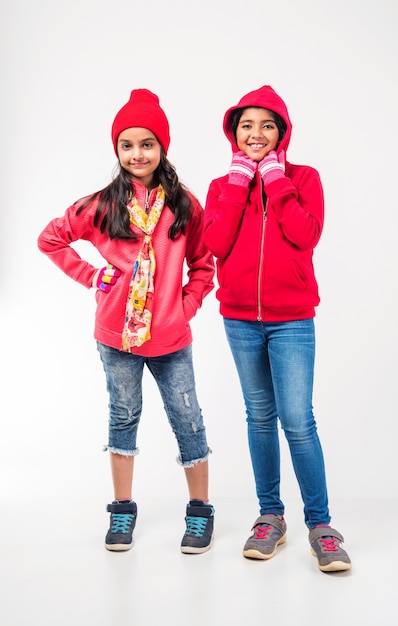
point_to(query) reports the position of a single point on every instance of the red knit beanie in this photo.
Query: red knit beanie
(142, 110)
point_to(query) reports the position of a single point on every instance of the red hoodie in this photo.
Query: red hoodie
(175, 304)
(264, 245)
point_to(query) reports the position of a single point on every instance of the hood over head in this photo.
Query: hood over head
(266, 98)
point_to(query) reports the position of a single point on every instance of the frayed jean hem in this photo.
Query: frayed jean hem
(121, 452)
(188, 464)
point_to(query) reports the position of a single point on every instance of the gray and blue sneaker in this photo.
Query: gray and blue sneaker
(269, 531)
(325, 545)
(123, 517)
(198, 536)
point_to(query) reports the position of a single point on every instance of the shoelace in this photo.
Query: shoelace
(262, 531)
(329, 544)
(121, 522)
(196, 526)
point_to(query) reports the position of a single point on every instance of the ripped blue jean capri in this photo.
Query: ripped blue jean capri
(175, 379)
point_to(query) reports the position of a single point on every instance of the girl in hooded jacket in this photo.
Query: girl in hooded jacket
(262, 222)
(147, 226)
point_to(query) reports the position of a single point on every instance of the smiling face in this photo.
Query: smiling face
(139, 153)
(257, 133)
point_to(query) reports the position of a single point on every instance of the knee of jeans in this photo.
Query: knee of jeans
(127, 419)
(261, 422)
(301, 433)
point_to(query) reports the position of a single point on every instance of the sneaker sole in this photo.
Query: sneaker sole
(334, 566)
(118, 547)
(192, 550)
(252, 553)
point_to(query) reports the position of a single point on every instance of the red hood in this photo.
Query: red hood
(266, 98)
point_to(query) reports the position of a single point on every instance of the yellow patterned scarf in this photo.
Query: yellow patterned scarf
(140, 297)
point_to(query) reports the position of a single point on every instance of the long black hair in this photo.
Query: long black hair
(237, 114)
(112, 215)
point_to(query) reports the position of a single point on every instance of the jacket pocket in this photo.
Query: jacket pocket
(299, 274)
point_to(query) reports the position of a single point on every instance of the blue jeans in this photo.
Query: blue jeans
(275, 364)
(174, 376)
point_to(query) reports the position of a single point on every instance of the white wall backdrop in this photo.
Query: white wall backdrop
(66, 69)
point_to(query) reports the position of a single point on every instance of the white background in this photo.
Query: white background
(66, 69)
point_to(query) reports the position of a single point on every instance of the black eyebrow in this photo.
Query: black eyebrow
(141, 140)
(249, 120)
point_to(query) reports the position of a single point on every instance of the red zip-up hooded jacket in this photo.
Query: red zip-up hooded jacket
(264, 244)
(175, 304)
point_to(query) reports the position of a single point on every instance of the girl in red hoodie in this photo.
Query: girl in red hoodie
(262, 222)
(146, 225)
